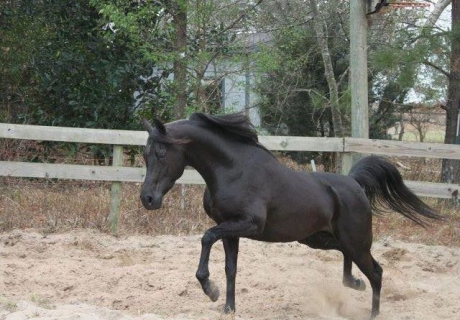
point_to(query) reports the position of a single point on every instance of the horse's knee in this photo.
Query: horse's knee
(208, 238)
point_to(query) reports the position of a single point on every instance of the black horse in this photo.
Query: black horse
(250, 194)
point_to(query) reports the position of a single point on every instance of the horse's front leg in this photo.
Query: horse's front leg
(227, 229)
(202, 274)
(231, 258)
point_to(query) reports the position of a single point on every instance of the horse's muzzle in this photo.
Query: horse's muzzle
(151, 201)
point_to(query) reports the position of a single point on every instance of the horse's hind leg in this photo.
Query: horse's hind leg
(325, 241)
(348, 279)
(357, 245)
(373, 271)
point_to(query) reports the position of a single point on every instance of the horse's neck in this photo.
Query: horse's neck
(210, 154)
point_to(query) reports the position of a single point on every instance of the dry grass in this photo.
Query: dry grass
(445, 232)
(56, 206)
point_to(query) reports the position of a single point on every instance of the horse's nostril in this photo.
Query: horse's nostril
(150, 199)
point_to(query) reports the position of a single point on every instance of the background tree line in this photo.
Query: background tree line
(106, 64)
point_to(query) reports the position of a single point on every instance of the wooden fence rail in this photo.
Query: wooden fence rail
(118, 138)
(275, 143)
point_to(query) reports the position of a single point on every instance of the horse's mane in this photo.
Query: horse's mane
(235, 126)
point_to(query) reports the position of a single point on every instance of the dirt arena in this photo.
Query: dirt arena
(85, 274)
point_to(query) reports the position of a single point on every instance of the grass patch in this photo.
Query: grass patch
(435, 136)
(41, 301)
(8, 305)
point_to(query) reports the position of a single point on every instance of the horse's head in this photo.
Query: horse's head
(165, 162)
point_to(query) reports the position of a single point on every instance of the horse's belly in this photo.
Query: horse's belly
(294, 226)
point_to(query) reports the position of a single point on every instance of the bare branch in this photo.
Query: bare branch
(432, 65)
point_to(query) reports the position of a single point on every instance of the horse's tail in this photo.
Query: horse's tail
(384, 187)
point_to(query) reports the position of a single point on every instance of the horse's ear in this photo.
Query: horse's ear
(147, 126)
(160, 126)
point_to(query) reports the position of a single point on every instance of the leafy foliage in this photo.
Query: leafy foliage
(406, 64)
(21, 35)
(101, 63)
(405, 60)
(294, 90)
(151, 26)
(77, 76)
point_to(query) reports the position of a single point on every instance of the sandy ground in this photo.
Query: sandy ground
(84, 274)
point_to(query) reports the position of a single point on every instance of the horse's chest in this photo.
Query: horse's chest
(226, 209)
(216, 215)
(220, 215)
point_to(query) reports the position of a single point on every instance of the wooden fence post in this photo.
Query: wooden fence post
(115, 191)
(347, 162)
(358, 79)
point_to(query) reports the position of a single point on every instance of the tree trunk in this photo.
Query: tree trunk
(200, 94)
(401, 124)
(328, 71)
(180, 61)
(451, 168)
(436, 13)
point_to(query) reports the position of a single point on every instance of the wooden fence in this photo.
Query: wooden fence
(119, 138)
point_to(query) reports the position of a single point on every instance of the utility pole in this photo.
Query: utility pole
(358, 76)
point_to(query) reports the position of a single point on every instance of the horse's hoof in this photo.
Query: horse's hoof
(212, 291)
(229, 310)
(360, 285)
(357, 284)
(374, 314)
